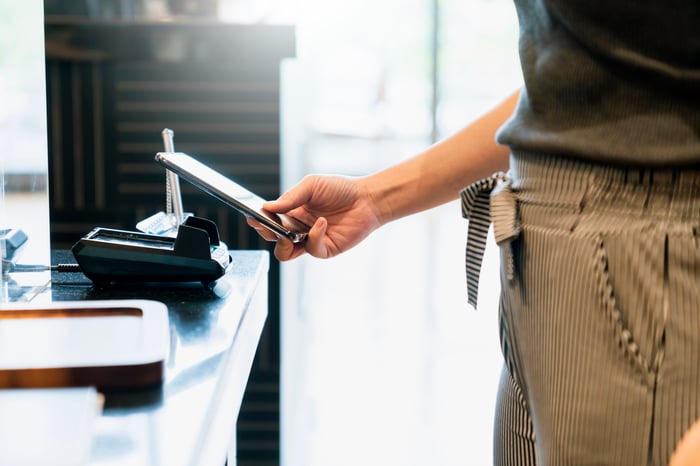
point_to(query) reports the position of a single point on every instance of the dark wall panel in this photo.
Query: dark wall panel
(112, 87)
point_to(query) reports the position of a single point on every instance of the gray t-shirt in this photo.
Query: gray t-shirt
(609, 80)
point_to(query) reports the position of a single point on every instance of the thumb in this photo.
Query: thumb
(317, 241)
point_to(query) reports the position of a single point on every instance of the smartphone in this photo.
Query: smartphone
(232, 193)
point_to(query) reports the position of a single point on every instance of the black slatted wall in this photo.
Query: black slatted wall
(111, 93)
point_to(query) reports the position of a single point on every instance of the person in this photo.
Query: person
(590, 174)
(688, 451)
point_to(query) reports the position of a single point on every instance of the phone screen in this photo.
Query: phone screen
(232, 193)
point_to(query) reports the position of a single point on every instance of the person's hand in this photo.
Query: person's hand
(339, 210)
(688, 450)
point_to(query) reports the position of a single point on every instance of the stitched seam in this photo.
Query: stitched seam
(622, 334)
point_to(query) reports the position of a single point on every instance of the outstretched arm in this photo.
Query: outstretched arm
(438, 174)
(343, 211)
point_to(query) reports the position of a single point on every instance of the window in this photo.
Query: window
(23, 156)
(383, 361)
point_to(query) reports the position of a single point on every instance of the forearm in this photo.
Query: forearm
(436, 175)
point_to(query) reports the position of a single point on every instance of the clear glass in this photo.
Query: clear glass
(24, 202)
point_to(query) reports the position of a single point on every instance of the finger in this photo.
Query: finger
(264, 232)
(302, 215)
(286, 250)
(314, 244)
(293, 198)
(316, 239)
(282, 205)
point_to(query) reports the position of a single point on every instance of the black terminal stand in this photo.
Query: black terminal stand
(195, 254)
(170, 246)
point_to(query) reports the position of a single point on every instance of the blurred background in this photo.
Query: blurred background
(24, 206)
(380, 359)
(383, 360)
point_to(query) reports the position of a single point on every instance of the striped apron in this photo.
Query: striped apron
(599, 312)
